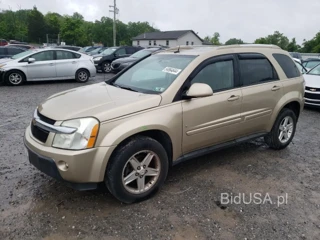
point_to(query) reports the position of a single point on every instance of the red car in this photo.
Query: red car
(3, 42)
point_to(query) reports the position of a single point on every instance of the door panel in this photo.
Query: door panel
(211, 120)
(43, 68)
(258, 104)
(66, 64)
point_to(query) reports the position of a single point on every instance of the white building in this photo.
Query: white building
(168, 38)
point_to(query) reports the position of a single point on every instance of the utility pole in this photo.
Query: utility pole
(115, 11)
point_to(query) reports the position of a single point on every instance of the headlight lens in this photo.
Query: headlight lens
(84, 138)
(97, 59)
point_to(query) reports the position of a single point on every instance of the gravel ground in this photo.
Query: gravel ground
(189, 206)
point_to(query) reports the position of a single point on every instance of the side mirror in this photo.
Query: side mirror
(31, 60)
(198, 90)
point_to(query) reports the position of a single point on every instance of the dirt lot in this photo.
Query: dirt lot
(189, 206)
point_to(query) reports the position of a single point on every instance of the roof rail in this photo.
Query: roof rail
(249, 46)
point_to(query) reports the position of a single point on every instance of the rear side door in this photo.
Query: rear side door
(66, 64)
(261, 90)
(44, 67)
(121, 53)
(215, 119)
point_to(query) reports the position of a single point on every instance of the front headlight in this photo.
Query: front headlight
(84, 138)
(97, 59)
(2, 65)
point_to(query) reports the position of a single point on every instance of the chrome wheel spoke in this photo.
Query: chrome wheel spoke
(134, 163)
(131, 177)
(141, 183)
(146, 161)
(281, 135)
(152, 172)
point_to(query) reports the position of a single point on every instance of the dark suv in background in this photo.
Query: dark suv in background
(103, 60)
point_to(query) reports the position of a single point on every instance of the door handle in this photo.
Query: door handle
(233, 98)
(74, 62)
(275, 88)
(51, 64)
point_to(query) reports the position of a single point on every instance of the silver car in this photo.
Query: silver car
(46, 64)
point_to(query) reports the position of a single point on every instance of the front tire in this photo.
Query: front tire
(14, 78)
(106, 67)
(137, 169)
(283, 130)
(82, 76)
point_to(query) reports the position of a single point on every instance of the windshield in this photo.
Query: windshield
(154, 74)
(311, 64)
(97, 50)
(109, 51)
(141, 54)
(84, 49)
(315, 71)
(23, 54)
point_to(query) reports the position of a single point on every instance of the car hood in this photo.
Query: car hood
(5, 60)
(312, 80)
(126, 60)
(100, 100)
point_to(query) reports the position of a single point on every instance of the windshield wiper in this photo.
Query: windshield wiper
(124, 87)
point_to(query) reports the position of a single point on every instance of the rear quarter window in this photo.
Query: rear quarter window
(287, 65)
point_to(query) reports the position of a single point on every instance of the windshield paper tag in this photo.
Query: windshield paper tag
(172, 70)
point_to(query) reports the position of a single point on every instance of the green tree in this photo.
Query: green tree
(276, 38)
(53, 23)
(234, 41)
(293, 46)
(36, 26)
(215, 40)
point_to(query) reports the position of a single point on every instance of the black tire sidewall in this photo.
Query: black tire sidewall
(77, 75)
(274, 141)
(7, 81)
(113, 177)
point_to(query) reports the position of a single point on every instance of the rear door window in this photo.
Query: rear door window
(64, 55)
(287, 65)
(256, 69)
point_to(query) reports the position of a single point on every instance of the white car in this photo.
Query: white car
(46, 64)
(312, 91)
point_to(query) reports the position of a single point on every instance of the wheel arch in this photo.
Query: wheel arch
(17, 70)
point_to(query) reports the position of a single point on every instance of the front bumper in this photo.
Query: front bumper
(98, 66)
(2, 73)
(85, 169)
(312, 99)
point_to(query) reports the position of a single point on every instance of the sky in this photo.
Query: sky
(244, 19)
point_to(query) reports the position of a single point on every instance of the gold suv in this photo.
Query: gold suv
(164, 109)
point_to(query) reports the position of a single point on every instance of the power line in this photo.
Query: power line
(115, 11)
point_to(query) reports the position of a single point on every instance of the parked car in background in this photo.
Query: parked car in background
(121, 63)
(3, 42)
(72, 48)
(296, 55)
(301, 68)
(26, 47)
(103, 60)
(88, 49)
(96, 51)
(46, 64)
(312, 91)
(8, 51)
(170, 107)
(310, 63)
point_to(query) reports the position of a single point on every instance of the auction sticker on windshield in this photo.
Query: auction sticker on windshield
(172, 70)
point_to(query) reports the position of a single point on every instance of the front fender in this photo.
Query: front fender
(164, 118)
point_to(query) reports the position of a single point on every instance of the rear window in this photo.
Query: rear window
(287, 65)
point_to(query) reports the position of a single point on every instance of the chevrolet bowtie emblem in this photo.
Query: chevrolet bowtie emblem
(313, 90)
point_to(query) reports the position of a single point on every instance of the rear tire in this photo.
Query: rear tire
(82, 75)
(137, 169)
(14, 78)
(283, 130)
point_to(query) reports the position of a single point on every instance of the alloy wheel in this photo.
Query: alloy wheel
(141, 172)
(15, 78)
(83, 76)
(285, 129)
(107, 67)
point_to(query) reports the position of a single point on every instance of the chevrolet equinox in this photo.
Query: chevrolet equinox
(164, 109)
